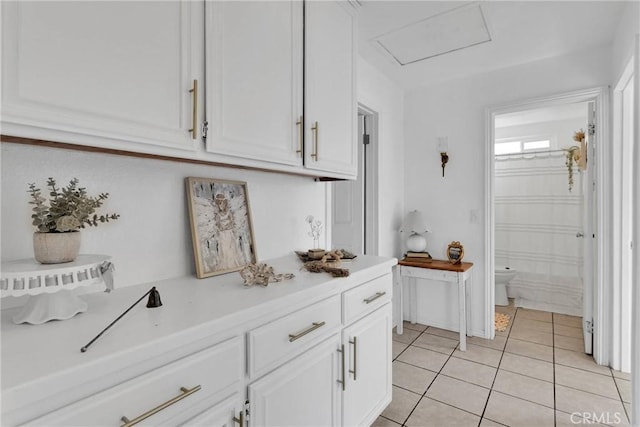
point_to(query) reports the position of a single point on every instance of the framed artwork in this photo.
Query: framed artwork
(221, 228)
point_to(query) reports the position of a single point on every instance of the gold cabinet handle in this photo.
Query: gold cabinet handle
(374, 297)
(194, 113)
(240, 419)
(313, 327)
(314, 128)
(185, 393)
(300, 135)
(355, 356)
(342, 381)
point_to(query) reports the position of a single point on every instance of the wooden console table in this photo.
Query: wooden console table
(437, 270)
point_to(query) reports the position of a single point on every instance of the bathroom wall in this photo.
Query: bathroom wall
(537, 218)
(454, 205)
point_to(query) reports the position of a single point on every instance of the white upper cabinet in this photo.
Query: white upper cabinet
(330, 87)
(279, 88)
(254, 80)
(101, 73)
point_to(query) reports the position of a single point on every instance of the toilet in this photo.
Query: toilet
(503, 276)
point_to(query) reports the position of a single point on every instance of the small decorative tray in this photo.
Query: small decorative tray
(346, 256)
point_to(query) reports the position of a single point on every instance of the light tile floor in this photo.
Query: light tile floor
(533, 374)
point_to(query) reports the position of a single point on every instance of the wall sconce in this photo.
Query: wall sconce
(443, 147)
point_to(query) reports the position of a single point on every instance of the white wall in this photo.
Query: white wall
(152, 239)
(456, 109)
(380, 94)
(624, 41)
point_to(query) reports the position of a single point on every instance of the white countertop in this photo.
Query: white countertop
(193, 309)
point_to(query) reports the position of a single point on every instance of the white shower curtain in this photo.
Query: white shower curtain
(537, 219)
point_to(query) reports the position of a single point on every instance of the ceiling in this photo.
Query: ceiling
(419, 43)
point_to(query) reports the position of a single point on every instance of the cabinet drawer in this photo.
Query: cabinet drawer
(274, 343)
(426, 273)
(366, 298)
(193, 383)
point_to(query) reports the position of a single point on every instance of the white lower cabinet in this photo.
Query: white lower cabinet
(303, 392)
(224, 414)
(368, 384)
(345, 380)
(316, 357)
(168, 395)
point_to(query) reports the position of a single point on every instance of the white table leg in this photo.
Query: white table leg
(468, 288)
(463, 312)
(413, 317)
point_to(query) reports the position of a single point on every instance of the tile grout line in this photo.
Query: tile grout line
(620, 395)
(498, 367)
(432, 381)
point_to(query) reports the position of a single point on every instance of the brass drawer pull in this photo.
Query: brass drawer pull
(240, 419)
(373, 298)
(185, 392)
(355, 357)
(314, 128)
(313, 327)
(342, 381)
(300, 136)
(194, 113)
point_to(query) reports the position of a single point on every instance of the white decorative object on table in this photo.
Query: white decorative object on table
(49, 286)
(414, 225)
(316, 228)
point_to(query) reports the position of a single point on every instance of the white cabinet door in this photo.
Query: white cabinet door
(368, 387)
(303, 392)
(330, 88)
(254, 80)
(102, 73)
(224, 414)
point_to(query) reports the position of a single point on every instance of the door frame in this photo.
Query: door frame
(371, 206)
(620, 220)
(372, 197)
(598, 95)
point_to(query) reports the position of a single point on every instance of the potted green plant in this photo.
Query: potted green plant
(59, 221)
(575, 155)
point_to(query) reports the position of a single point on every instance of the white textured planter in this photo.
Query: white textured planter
(55, 248)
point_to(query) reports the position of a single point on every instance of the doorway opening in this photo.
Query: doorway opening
(543, 205)
(354, 204)
(580, 241)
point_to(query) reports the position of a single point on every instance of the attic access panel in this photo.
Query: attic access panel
(439, 34)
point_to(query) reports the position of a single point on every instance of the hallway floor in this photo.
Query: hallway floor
(533, 374)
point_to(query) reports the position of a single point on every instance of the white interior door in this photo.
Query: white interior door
(347, 231)
(589, 210)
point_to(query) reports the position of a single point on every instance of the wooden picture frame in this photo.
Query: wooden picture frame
(455, 252)
(221, 227)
